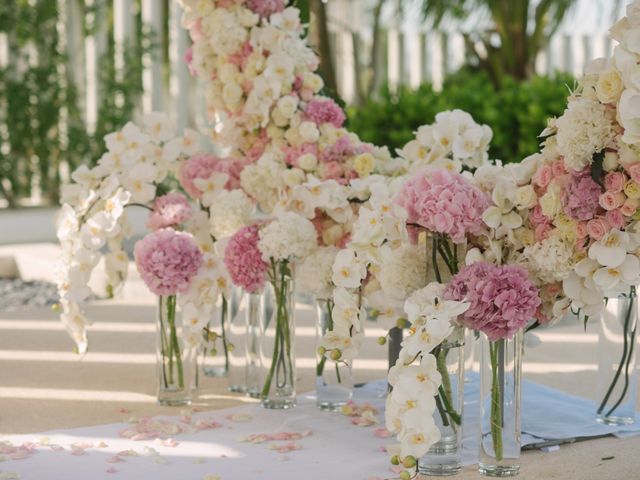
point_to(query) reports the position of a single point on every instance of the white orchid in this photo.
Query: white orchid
(211, 187)
(348, 269)
(429, 302)
(611, 250)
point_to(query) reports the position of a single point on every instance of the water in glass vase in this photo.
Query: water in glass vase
(334, 379)
(175, 359)
(617, 373)
(444, 458)
(277, 345)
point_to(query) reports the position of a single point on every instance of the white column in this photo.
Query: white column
(179, 84)
(153, 96)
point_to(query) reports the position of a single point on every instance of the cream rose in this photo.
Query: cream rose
(550, 202)
(525, 197)
(288, 105)
(309, 132)
(231, 95)
(307, 162)
(364, 164)
(609, 86)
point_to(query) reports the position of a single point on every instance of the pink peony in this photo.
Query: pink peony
(169, 210)
(202, 165)
(167, 261)
(244, 260)
(502, 298)
(265, 8)
(444, 202)
(580, 196)
(325, 110)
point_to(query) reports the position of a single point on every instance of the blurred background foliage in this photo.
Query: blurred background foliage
(517, 112)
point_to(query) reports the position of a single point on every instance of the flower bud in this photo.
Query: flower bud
(382, 340)
(402, 323)
(405, 475)
(395, 460)
(336, 354)
(409, 461)
(322, 351)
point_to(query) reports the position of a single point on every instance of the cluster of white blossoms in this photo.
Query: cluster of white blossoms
(585, 127)
(288, 236)
(415, 377)
(231, 211)
(454, 141)
(93, 211)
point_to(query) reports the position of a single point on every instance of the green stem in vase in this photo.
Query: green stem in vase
(496, 401)
(174, 340)
(223, 319)
(445, 391)
(163, 341)
(323, 360)
(623, 361)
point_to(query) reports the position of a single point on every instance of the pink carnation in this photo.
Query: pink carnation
(167, 261)
(169, 210)
(265, 8)
(339, 151)
(202, 165)
(444, 202)
(502, 298)
(324, 110)
(580, 196)
(244, 260)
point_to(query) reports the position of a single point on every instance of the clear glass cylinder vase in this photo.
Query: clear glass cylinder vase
(445, 458)
(175, 358)
(243, 337)
(617, 374)
(500, 390)
(334, 379)
(277, 343)
(214, 358)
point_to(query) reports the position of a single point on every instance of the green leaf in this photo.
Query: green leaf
(303, 6)
(597, 170)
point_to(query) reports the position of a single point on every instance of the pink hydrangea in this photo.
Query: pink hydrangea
(202, 165)
(444, 202)
(580, 196)
(244, 260)
(324, 110)
(167, 261)
(169, 210)
(265, 8)
(339, 151)
(502, 298)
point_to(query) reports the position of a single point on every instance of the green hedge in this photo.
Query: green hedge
(517, 113)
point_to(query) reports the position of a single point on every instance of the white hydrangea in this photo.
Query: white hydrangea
(263, 180)
(313, 274)
(585, 128)
(550, 259)
(403, 270)
(289, 236)
(231, 211)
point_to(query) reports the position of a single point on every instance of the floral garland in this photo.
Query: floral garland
(263, 91)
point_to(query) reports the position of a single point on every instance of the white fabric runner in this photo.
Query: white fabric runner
(304, 443)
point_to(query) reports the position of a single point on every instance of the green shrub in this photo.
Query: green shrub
(516, 113)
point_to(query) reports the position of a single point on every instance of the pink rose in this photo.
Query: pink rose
(581, 229)
(614, 182)
(558, 169)
(633, 170)
(611, 201)
(616, 219)
(543, 176)
(629, 207)
(597, 228)
(542, 231)
(306, 94)
(536, 217)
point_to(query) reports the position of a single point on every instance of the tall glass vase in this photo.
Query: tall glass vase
(278, 338)
(334, 379)
(215, 350)
(617, 374)
(175, 359)
(243, 340)
(500, 377)
(444, 458)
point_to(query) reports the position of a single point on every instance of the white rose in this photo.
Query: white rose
(232, 94)
(313, 82)
(309, 132)
(288, 105)
(279, 119)
(610, 162)
(629, 111)
(307, 162)
(228, 72)
(550, 202)
(293, 177)
(525, 197)
(609, 86)
(248, 18)
(332, 235)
